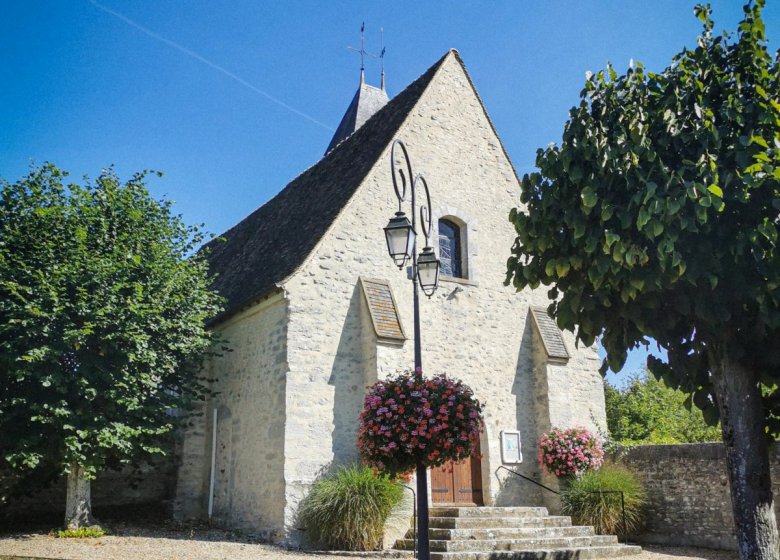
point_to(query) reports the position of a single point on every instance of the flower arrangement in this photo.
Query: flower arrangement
(569, 452)
(408, 420)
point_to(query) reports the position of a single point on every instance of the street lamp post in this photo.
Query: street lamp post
(401, 236)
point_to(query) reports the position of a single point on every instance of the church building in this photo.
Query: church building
(317, 311)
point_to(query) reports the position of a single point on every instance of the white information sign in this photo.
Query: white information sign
(511, 452)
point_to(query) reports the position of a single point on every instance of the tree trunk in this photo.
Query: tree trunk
(747, 457)
(78, 502)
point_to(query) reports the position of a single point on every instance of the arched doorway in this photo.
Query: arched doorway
(458, 483)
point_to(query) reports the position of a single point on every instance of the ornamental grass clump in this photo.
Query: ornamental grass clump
(347, 509)
(594, 499)
(569, 452)
(408, 420)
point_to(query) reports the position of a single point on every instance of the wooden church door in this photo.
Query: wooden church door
(458, 483)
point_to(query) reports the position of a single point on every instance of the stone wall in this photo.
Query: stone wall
(153, 483)
(688, 491)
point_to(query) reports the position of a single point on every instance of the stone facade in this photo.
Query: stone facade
(311, 390)
(688, 492)
(249, 397)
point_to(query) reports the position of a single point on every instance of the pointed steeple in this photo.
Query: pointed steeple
(367, 101)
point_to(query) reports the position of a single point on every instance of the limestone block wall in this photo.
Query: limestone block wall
(249, 396)
(688, 491)
(566, 395)
(474, 329)
(576, 390)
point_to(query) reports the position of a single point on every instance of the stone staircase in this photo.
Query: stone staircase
(512, 533)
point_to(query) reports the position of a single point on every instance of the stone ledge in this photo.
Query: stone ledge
(454, 280)
(710, 450)
(714, 450)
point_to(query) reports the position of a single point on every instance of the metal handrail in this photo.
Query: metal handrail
(526, 478)
(622, 508)
(414, 511)
(622, 496)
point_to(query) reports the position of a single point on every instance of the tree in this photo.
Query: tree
(102, 326)
(647, 411)
(657, 218)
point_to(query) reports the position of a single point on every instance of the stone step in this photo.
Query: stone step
(513, 544)
(498, 522)
(507, 533)
(487, 511)
(580, 553)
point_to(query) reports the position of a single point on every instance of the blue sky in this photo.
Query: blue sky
(233, 100)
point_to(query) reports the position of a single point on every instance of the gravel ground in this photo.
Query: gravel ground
(203, 543)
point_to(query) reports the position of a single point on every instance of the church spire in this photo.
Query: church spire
(367, 101)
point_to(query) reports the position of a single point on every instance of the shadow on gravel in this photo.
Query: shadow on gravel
(144, 520)
(25, 558)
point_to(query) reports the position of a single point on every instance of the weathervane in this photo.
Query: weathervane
(382, 56)
(362, 51)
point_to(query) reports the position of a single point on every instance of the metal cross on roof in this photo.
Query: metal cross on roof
(362, 50)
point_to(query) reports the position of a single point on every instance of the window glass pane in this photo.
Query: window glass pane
(449, 249)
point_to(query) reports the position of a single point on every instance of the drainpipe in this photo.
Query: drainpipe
(213, 464)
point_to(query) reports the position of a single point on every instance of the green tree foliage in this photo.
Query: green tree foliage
(102, 323)
(657, 217)
(648, 411)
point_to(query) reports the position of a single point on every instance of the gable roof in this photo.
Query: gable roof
(257, 254)
(367, 101)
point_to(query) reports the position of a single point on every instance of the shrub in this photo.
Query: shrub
(81, 533)
(586, 506)
(408, 420)
(347, 510)
(567, 452)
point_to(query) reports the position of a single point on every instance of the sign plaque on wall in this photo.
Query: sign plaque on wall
(510, 447)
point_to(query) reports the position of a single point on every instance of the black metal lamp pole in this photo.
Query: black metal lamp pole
(402, 244)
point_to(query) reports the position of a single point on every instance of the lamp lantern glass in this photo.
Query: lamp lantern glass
(428, 271)
(400, 238)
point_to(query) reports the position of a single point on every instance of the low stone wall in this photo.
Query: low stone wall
(688, 492)
(152, 484)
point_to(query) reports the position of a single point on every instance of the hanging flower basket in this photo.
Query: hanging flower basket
(408, 420)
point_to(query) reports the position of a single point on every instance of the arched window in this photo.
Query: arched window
(450, 250)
